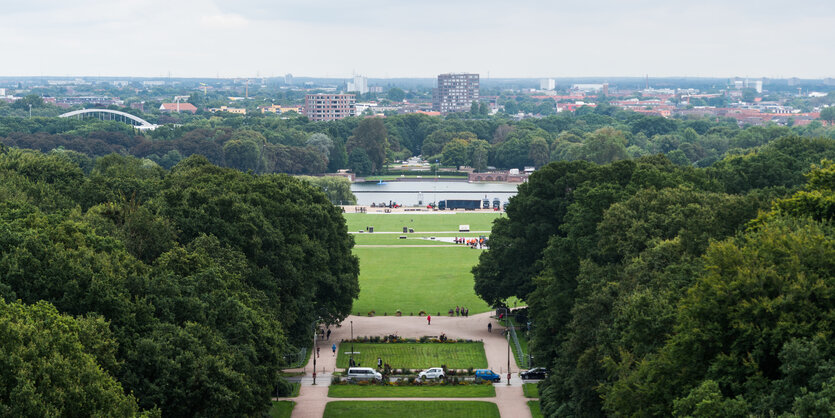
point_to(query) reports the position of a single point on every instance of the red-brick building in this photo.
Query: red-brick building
(323, 107)
(178, 107)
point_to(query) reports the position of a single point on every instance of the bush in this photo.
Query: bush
(284, 388)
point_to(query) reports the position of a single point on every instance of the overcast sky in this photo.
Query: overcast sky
(418, 38)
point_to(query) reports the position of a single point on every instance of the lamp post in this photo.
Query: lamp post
(507, 323)
(314, 353)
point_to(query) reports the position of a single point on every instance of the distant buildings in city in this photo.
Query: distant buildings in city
(358, 85)
(750, 101)
(233, 110)
(324, 107)
(178, 107)
(455, 92)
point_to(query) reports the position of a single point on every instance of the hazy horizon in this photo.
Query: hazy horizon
(398, 39)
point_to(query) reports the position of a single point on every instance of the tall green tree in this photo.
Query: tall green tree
(371, 136)
(50, 365)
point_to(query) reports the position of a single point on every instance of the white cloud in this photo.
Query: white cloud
(223, 21)
(525, 38)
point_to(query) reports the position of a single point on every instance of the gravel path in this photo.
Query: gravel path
(509, 398)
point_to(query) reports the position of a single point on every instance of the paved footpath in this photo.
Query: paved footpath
(509, 398)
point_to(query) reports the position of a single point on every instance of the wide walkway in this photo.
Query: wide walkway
(509, 398)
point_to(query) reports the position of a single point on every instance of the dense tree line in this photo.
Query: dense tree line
(656, 289)
(296, 145)
(176, 292)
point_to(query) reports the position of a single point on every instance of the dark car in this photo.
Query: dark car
(535, 373)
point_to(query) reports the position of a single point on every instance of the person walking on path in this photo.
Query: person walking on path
(317, 351)
(428, 319)
(329, 334)
(489, 327)
(333, 347)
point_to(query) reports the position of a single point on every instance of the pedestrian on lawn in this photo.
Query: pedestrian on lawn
(379, 363)
(456, 311)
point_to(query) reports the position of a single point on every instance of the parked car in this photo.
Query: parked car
(433, 373)
(485, 374)
(535, 373)
(363, 373)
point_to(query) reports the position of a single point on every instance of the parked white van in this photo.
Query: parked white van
(363, 373)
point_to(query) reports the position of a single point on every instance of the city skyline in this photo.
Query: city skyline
(533, 39)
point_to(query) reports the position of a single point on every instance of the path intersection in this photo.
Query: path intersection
(509, 398)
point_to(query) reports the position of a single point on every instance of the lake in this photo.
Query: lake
(420, 193)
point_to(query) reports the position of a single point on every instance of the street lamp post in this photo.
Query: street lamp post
(314, 353)
(507, 323)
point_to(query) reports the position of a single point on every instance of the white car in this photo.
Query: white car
(363, 373)
(433, 373)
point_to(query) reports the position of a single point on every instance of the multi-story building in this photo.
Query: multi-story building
(320, 107)
(279, 109)
(359, 85)
(455, 92)
(234, 110)
(547, 84)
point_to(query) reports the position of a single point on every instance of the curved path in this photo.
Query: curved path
(509, 398)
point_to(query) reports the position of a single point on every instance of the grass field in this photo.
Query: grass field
(420, 222)
(415, 279)
(415, 355)
(460, 391)
(535, 411)
(531, 390)
(385, 409)
(282, 409)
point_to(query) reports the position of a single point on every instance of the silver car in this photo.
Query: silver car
(433, 373)
(363, 373)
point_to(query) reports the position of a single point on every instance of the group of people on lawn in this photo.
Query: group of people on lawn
(459, 311)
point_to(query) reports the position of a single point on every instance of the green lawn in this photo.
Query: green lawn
(531, 390)
(415, 355)
(415, 279)
(420, 222)
(535, 411)
(385, 409)
(282, 409)
(460, 391)
(412, 239)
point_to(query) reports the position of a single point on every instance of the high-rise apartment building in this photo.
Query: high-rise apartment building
(359, 85)
(547, 84)
(455, 92)
(322, 107)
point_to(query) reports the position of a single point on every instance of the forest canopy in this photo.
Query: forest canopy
(181, 292)
(661, 290)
